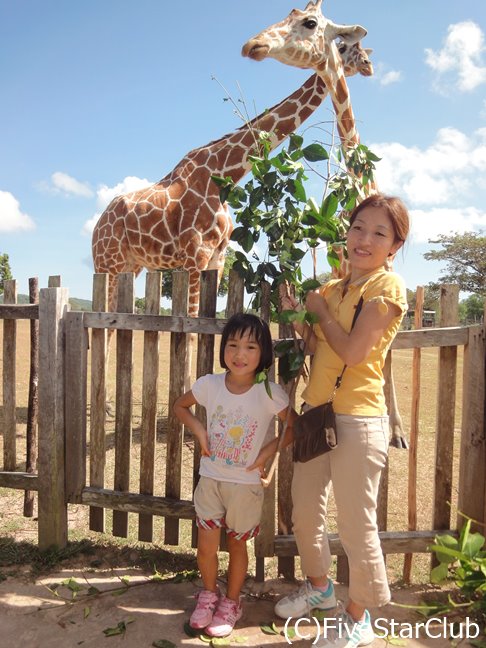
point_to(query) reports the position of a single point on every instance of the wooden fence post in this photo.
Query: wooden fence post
(97, 418)
(9, 381)
(53, 304)
(76, 370)
(472, 468)
(148, 427)
(178, 360)
(446, 403)
(33, 403)
(124, 400)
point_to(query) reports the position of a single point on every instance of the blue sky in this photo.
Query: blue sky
(102, 96)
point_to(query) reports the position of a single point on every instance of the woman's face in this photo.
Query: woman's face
(370, 240)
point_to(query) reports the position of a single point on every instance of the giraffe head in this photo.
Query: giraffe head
(355, 59)
(305, 39)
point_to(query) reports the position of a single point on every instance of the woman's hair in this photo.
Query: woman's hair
(242, 323)
(395, 209)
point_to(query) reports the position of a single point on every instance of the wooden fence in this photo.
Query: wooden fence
(72, 426)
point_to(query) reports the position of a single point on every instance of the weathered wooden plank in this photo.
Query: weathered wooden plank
(124, 400)
(19, 311)
(76, 356)
(205, 361)
(153, 290)
(392, 542)
(21, 481)
(97, 449)
(136, 503)
(54, 302)
(436, 337)
(54, 281)
(446, 405)
(33, 399)
(414, 432)
(162, 323)
(236, 293)
(178, 359)
(9, 380)
(472, 466)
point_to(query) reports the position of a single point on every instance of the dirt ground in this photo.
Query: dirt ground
(123, 606)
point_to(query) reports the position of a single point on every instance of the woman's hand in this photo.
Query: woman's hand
(315, 303)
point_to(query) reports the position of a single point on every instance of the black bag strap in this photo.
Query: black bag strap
(339, 379)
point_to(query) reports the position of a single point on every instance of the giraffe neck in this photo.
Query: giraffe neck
(331, 71)
(228, 156)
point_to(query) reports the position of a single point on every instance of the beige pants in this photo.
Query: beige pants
(354, 469)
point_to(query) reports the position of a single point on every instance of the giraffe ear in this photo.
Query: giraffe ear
(368, 51)
(350, 34)
(313, 5)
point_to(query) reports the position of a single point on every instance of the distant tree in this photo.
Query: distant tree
(5, 271)
(431, 297)
(465, 255)
(471, 309)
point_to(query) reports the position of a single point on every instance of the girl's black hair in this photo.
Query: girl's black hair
(241, 323)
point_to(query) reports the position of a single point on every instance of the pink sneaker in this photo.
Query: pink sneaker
(204, 610)
(227, 614)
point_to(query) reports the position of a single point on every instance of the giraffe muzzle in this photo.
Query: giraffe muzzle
(255, 51)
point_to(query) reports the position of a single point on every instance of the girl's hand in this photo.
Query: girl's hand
(202, 437)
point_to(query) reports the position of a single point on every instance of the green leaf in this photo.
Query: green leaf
(239, 639)
(473, 544)
(296, 142)
(221, 641)
(269, 629)
(395, 641)
(86, 612)
(315, 153)
(310, 284)
(72, 585)
(190, 632)
(120, 628)
(163, 643)
(439, 573)
(206, 638)
(329, 206)
(92, 591)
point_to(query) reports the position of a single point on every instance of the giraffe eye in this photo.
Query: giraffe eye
(310, 23)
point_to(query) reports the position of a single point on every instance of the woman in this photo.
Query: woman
(378, 228)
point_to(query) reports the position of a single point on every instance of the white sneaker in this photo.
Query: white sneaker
(345, 632)
(305, 599)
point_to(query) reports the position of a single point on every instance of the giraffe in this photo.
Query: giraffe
(306, 39)
(180, 222)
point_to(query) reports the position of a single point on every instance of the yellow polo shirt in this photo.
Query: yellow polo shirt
(361, 391)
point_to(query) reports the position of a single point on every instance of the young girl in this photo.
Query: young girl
(229, 494)
(378, 228)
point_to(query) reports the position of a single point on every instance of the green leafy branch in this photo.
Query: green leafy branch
(274, 206)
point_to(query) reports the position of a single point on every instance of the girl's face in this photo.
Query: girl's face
(242, 355)
(370, 240)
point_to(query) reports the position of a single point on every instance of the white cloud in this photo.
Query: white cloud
(385, 77)
(63, 183)
(11, 218)
(459, 64)
(443, 220)
(446, 171)
(105, 195)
